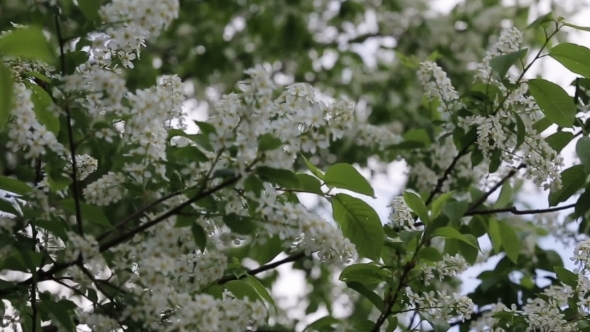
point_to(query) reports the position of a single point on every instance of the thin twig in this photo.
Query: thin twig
(516, 211)
(263, 268)
(485, 196)
(447, 172)
(70, 133)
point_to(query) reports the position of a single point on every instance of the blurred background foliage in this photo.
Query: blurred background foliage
(363, 50)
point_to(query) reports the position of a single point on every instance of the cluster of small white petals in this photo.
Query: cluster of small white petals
(554, 224)
(327, 241)
(98, 322)
(208, 314)
(106, 190)
(401, 214)
(77, 245)
(146, 130)
(202, 268)
(6, 223)
(426, 178)
(543, 163)
(151, 15)
(25, 131)
(545, 314)
(131, 23)
(441, 305)
(450, 266)
(581, 255)
(375, 136)
(486, 322)
(103, 89)
(294, 224)
(438, 86)
(85, 165)
(509, 41)
(296, 118)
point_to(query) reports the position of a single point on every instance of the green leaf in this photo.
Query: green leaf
(56, 227)
(90, 9)
(542, 125)
(559, 140)
(505, 196)
(555, 103)
(8, 207)
(451, 233)
(345, 176)
(322, 323)
(268, 142)
(438, 203)
(261, 290)
(573, 57)
(572, 179)
(6, 95)
(494, 234)
(184, 221)
(430, 254)
(583, 203)
(566, 276)
(242, 290)
(239, 224)
(455, 210)
(89, 212)
(502, 63)
(541, 20)
(359, 223)
(206, 128)
(14, 186)
(468, 252)
(199, 235)
(264, 253)
(364, 273)
(577, 27)
(417, 135)
(27, 43)
(417, 205)
(520, 131)
(61, 311)
(310, 184)
(583, 152)
(510, 241)
(281, 177)
(367, 293)
(314, 170)
(43, 104)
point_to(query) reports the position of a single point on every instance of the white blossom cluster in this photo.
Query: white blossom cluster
(437, 86)
(294, 224)
(441, 305)
(509, 41)
(493, 133)
(375, 136)
(581, 256)
(450, 266)
(77, 245)
(106, 190)
(441, 154)
(401, 214)
(486, 322)
(25, 131)
(545, 314)
(85, 165)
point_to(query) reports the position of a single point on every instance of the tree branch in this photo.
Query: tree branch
(485, 196)
(263, 268)
(447, 172)
(138, 213)
(514, 210)
(70, 133)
